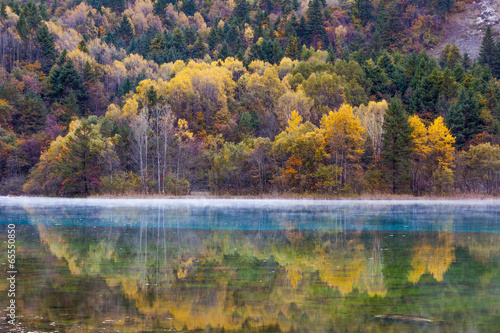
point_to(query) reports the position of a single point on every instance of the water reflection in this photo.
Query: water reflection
(152, 276)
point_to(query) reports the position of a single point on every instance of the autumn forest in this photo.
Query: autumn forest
(244, 97)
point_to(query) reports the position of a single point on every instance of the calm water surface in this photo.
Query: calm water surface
(253, 265)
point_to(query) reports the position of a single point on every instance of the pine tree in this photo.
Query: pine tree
(224, 52)
(79, 167)
(47, 47)
(199, 49)
(489, 54)
(32, 117)
(88, 73)
(241, 10)
(126, 31)
(42, 9)
(213, 37)
(72, 80)
(179, 44)
(3, 10)
(292, 50)
(33, 18)
(22, 27)
(466, 62)
(315, 19)
(82, 46)
(189, 7)
(396, 154)
(362, 10)
(464, 119)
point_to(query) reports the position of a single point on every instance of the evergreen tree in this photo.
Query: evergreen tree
(396, 154)
(362, 10)
(189, 7)
(125, 30)
(179, 44)
(79, 167)
(224, 52)
(293, 50)
(489, 54)
(82, 46)
(72, 80)
(3, 10)
(127, 85)
(72, 108)
(426, 94)
(315, 20)
(32, 117)
(466, 62)
(33, 18)
(42, 9)
(47, 47)
(392, 32)
(464, 119)
(22, 27)
(241, 10)
(88, 74)
(378, 42)
(213, 38)
(199, 49)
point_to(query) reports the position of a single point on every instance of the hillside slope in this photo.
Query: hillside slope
(466, 29)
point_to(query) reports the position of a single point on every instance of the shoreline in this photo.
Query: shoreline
(291, 197)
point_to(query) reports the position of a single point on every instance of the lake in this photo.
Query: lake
(241, 265)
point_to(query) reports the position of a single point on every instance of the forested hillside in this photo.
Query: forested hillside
(243, 97)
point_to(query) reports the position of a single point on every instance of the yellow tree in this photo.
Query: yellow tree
(433, 158)
(344, 135)
(299, 149)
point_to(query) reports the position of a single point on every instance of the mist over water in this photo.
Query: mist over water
(258, 214)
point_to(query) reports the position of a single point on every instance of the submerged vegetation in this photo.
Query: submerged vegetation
(243, 97)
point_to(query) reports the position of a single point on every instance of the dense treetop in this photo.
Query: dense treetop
(244, 97)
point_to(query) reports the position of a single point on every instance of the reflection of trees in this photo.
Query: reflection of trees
(196, 277)
(482, 246)
(174, 277)
(432, 256)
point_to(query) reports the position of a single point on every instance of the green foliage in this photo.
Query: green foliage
(397, 147)
(362, 11)
(464, 119)
(489, 54)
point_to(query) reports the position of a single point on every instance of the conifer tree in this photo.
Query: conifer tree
(47, 47)
(126, 31)
(241, 10)
(189, 7)
(199, 49)
(224, 52)
(489, 54)
(293, 50)
(22, 27)
(79, 167)
(315, 19)
(82, 46)
(3, 10)
(362, 10)
(396, 152)
(464, 119)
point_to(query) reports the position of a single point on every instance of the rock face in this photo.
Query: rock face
(466, 29)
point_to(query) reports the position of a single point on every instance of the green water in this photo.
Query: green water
(329, 267)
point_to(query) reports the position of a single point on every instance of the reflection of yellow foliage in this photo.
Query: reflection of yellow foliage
(183, 270)
(294, 275)
(433, 258)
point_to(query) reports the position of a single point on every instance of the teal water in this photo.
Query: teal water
(253, 265)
